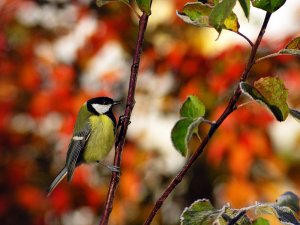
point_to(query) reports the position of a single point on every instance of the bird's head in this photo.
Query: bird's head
(100, 105)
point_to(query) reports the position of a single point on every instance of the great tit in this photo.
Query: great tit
(93, 136)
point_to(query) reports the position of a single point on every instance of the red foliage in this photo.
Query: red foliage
(41, 104)
(29, 77)
(31, 198)
(60, 201)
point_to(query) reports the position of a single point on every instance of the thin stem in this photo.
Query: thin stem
(245, 103)
(251, 60)
(209, 122)
(133, 9)
(270, 56)
(198, 136)
(237, 217)
(126, 119)
(229, 109)
(246, 38)
(130, 6)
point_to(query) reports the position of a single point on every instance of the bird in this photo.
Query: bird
(93, 137)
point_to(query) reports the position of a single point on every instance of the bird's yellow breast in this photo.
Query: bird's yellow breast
(101, 139)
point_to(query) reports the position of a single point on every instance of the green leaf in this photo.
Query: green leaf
(220, 13)
(195, 13)
(198, 14)
(284, 214)
(182, 133)
(192, 108)
(296, 114)
(261, 221)
(192, 112)
(100, 3)
(144, 6)
(268, 5)
(289, 52)
(232, 213)
(289, 199)
(292, 48)
(251, 92)
(201, 212)
(245, 4)
(272, 92)
(273, 89)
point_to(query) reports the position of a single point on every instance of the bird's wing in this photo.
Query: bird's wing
(76, 146)
(57, 180)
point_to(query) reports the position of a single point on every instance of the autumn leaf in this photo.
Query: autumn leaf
(196, 13)
(199, 14)
(292, 48)
(272, 92)
(222, 12)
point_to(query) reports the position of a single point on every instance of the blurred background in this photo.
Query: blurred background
(56, 54)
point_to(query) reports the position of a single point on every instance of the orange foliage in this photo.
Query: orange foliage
(130, 186)
(239, 160)
(240, 191)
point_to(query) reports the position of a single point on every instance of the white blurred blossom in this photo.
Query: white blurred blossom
(285, 137)
(110, 58)
(82, 216)
(47, 15)
(66, 47)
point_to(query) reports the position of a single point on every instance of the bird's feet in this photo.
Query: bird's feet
(122, 120)
(112, 168)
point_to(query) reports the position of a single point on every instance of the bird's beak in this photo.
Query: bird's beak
(116, 102)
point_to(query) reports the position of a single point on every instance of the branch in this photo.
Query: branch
(126, 119)
(237, 217)
(270, 56)
(246, 38)
(229, 109)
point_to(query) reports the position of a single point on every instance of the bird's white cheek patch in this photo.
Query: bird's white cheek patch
(101, 109)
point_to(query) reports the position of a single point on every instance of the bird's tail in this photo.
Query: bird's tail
(57, 180)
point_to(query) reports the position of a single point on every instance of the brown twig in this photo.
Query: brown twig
(270, 56)
(237, 217)
(246, 38)
(229, 109)
(125, 119)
